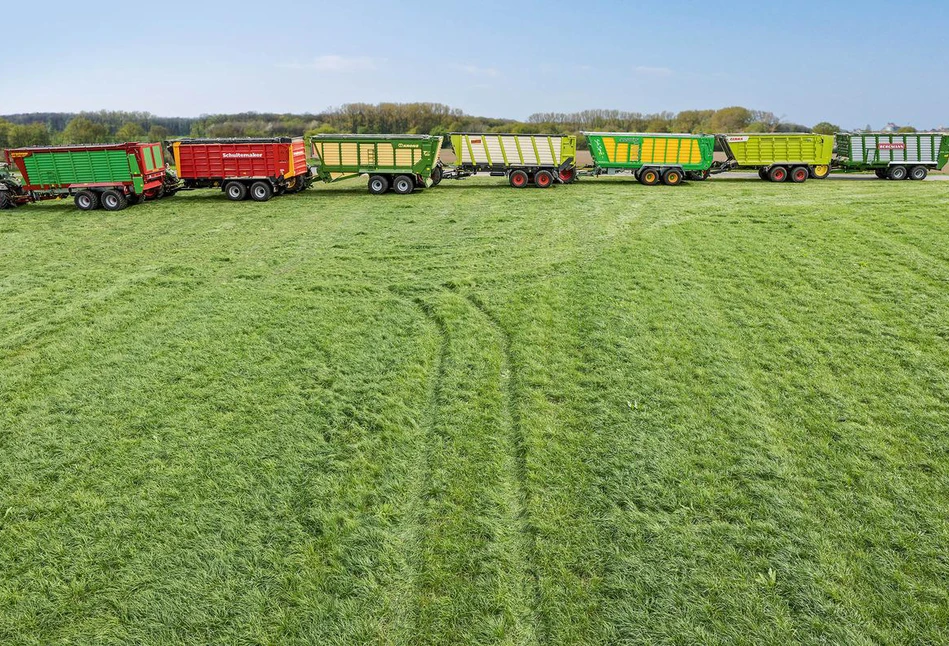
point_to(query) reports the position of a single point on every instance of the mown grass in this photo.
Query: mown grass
(596, 414)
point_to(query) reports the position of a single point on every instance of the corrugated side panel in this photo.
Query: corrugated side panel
(77, 167)
(883, 149)
(762, 150)
(210, 161)
(510, 150)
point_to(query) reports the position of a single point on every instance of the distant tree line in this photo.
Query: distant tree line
(41, 128)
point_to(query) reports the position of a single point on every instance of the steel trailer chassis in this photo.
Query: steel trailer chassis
(541, 176)
(650, 174)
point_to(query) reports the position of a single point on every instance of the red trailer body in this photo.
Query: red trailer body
(241, 167)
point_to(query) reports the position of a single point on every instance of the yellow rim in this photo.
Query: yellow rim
(673, 178)
(821, 171)
(650, 176)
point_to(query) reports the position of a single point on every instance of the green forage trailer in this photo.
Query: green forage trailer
(652, 158)
(779, 156)
(540, 160)
(401, 163)
(892, 156)
(108, 175)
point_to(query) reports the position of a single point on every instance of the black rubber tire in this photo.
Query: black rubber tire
(697, 175)
(799, 174)
(378, 184)
(814, 173)
(235, 191)
(519, 178)
(918, 173)
(897, 173)
(880, 173)
(567, 175)
(777, 173)
(436, 176)
(5, 201)
(86, 201)
(261, 191)
(672, 177)
(543, 179)
(649, 176)
(763, 174)
(403, 184)
(113, 200)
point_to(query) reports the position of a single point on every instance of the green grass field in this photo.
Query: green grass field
(598, 414)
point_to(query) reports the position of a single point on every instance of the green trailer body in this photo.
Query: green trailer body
(892, 155)
(524, 159)
(779, 156)
(400, 162)
(652, 157)
(110, 175)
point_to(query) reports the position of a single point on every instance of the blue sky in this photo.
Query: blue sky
(849, 63)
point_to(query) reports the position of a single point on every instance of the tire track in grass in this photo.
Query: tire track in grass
(472, 576)
(406, 610)
(518, 439)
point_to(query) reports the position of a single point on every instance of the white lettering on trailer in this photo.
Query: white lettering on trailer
(242, 155)
(737, 139)
(891, 146)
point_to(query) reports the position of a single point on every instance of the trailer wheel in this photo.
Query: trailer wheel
(649, 176)
(567, 175)
(86, 201)
(112, 200)
(236, 191)
(697, 175)
(918, 173)
(260, 191)
(543, 179)
(778, 174)
(672, 177)
(763, 173)
(378, 184)
(518, 178)
(880, 173)
(821, 171)
(799, 174)
(436, 176)
(896, 172)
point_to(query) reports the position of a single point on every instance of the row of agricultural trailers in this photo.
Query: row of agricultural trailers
(113, 176)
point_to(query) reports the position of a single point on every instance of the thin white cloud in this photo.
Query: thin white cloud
(474, 70)
(337, 63)
(644, 70)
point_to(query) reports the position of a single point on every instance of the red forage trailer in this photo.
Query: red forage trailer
(254, 167)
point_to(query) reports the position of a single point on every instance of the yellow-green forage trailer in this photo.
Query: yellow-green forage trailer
(541, 160)
(779, 157)
(401, 163)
